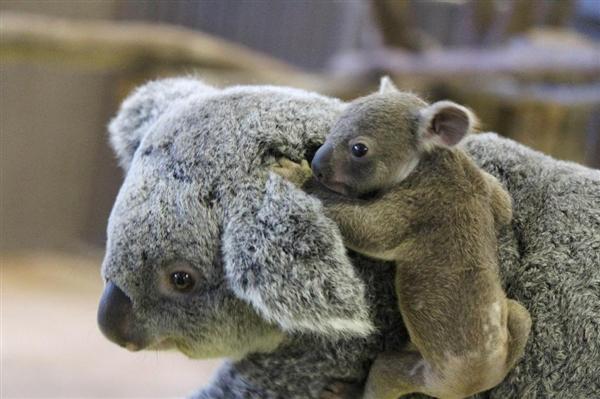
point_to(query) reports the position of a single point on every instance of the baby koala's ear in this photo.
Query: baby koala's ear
(445, 123)
(387, 86)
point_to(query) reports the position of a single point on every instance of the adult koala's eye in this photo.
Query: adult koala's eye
(182, 281)
(359, 150)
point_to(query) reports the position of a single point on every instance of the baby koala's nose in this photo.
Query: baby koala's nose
(316, 168)
(321, 160)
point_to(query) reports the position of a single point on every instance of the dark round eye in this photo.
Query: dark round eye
(359, 150)
(182, 281)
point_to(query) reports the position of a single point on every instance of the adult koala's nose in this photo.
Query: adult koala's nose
(116, 318)
(321, 160)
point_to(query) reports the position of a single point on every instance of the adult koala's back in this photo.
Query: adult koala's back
(210, 253)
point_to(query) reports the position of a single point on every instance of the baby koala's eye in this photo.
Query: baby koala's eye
(182, 281)
(359, 150)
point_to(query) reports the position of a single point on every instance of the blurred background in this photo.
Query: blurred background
(529, 68)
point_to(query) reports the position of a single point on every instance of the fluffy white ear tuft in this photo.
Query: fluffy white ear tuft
(446, 123)
(386, 85)
(301, 279)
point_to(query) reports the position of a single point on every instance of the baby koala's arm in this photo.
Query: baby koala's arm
(297, 173)
(371, 227)
(500, 201)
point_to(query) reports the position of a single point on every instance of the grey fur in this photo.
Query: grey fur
(198, 188)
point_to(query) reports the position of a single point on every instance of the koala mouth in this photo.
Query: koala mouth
(163, 344)
(335, 186)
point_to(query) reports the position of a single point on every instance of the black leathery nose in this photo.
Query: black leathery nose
(114, 314)
(320, 160)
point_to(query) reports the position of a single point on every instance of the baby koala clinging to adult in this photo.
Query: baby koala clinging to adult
(401, 190)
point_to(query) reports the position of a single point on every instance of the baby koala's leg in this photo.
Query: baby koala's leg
(519, 326)
(395, 374)
(296, 173)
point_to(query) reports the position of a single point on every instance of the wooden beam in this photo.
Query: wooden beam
(549, 54)
(127, 46)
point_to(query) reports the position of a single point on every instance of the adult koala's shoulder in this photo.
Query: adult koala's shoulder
(211, 253)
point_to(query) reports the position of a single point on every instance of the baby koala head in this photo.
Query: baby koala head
(379, 139)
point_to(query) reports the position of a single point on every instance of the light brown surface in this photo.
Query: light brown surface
(52, 348)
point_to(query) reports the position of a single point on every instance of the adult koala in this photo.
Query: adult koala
(210, 253)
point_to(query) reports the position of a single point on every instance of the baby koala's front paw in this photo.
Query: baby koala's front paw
(297, 173)
(342, 390)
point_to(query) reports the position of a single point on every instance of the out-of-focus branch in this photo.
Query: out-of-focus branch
(132, 46)
(539, 55)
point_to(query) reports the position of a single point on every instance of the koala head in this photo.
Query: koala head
(195, 158)
(379, 139)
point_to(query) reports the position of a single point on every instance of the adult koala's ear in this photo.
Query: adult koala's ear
(142, 108)
(283, 256)
(387, 86)
(445, 123)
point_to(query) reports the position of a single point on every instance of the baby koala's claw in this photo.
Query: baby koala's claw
(297, 173)
(341, 390)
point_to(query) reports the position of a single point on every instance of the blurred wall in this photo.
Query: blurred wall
(52, 143)
(316, 28)
(64, 8)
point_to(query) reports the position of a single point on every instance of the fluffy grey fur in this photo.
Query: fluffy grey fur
(279, 294)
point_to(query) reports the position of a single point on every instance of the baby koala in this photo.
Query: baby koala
(401, 190)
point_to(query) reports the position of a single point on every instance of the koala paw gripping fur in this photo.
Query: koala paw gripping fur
(297, 173)
(213, 254)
